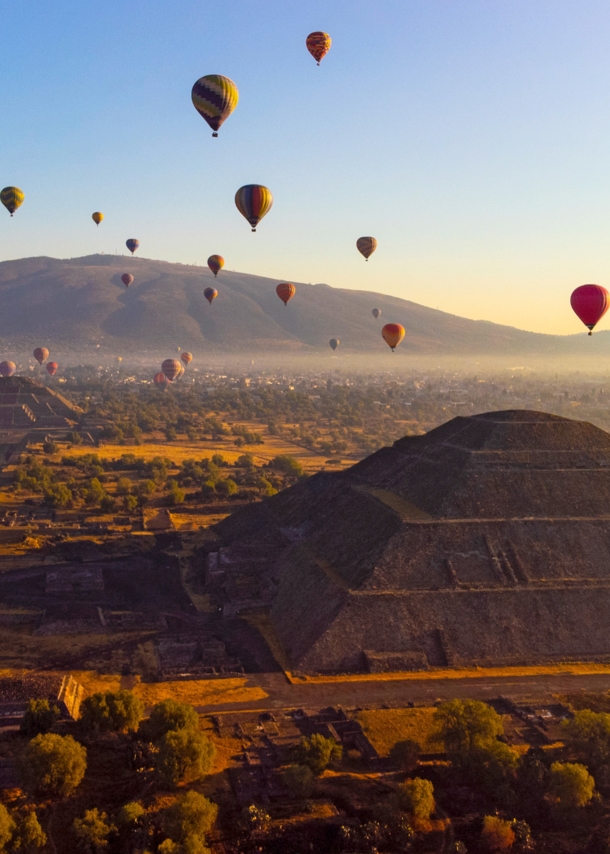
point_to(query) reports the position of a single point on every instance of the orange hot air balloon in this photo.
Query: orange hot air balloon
(210, 294)
(127, 279)
(97, 217)
(216, 263)
(7, 369)
(366, 246)
(393, 333)
(41, 354)
(187, 358)
(285, 291)
(318, 44)
(590, 303)
(52, 368)
(160, 380)
(172, 369)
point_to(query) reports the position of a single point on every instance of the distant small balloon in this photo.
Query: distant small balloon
(392, 334)
(97, 217)
(366, 246)
(318, 44)
(171, 368)
(376, 312)
(132, 244)
(12, 198)
(7, 369)
(52, 368)
(186, 357)
(41, 354)
(216, 263)
(285, 291)
(127, 279)
(590, 303)
(210, 294)
(334, 343)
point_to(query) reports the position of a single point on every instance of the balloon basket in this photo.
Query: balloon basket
(214, 134)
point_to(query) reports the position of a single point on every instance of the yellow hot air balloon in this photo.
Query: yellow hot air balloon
(214, 97)
(392, 334)
(12, 198)
(97, 217)
(253, 201)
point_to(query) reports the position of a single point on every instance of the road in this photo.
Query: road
(315, 696)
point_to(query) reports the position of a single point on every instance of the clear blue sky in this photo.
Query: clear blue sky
(471, 137)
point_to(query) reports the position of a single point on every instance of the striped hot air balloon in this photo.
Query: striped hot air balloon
(334, 343)
(366, 246)
(318, 44)
(97, 217)
(12, 198)
(41, 354)
(186, 357)
(253, 202)
(160, 380)
(215, 97)
(392, 334)
(172, 369)
(285, 291)
(216, 263)
(7, 369)
(52, 368)
(127, 279)
(132, 244)
(210, 294)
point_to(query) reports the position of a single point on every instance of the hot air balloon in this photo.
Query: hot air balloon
(318, 44)
(216, 263)
(285, 291)
(590, 303)
(334, 343)
(392, 334)
(127, 279)
(132, 244)
(253, 202)
(171, 368)
(12, 198)
(214, 97)
(187, 358)
(52, 368)
(376, 312)
(366, 246)
(160, 380)
(181, 374)
(7, 369)
(97, 217)
(210, 294)
(41, 354)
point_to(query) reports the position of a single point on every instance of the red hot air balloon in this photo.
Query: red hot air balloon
(7, 369)
(127, 279)
(160, 380)
(318, 44)
(172, 369)
(216, 263)
(590, 303)
(210, 294)
(132, 244)
(393, 333)
(187, 358)
(285, 291)
(52, 368)
(41, 354)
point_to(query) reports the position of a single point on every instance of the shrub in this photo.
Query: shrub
(299, 779)
(109, 711)
(317, 752)
(587, 734)
(570, 785)
(416, 797)
(7, 827)
(92, 831)
(191, 816)
(38, 717)
(53, 765)
(169, 716)
(497, 834)
(464, 725)
(184, 754)
(29, 837)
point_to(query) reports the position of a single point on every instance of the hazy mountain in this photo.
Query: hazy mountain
(82, 300)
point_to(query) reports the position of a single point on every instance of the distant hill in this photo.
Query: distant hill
(82, 300)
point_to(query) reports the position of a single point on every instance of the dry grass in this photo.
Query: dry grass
(93, 682)
(587, 700)
(199, 692)
(385, 727)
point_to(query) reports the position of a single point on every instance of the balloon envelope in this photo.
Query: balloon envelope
(376, 312)
(12, 198)
(132, 244)
(253, 201)
(393, 333)
(7, 369)
(171, 368)
(97, 217)
(285, 291)
(216, 263)
(41, 354)
(334, 343)
(590, 303)
(160, 380)
(210, 294)
(52, 368)
(366, 246)
(214, 97)
(318, 44)
(127, 279)
(187, 358)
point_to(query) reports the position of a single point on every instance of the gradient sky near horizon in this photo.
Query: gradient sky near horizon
(471, 137)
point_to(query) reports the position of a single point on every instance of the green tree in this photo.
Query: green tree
(92, 831)
(497, 834)
(184, 754)
(405, 754)
(416, 797)
(192, 816)
(169, 716)
(7, 827)
(175, 494)
(38, 717)
(53, 765)
(287, 464)
(130, 503)
(109, 711)
(131, 827)
(587, 735)
(94, 492)
(50, 447)
(29, 837)
(123, 486)
(570, 785)
(464, 725)
(299, 779)
(317, 752)
(226, 486)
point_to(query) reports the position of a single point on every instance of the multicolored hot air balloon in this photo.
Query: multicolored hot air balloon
(318, 44)
(253, 202)
(97, 217)
(132, 244)
(160, 380)
(376, 312)
(52, 368)
(7, 369)
(41, 354)
(366, 246)
(590, 303)
(334, 343)
(186, 357)
(285, 291)
(216, 263)
(171, 368)
(127, 279)
(210, 294)
(214, 97)
(392, 334)
(12, 198)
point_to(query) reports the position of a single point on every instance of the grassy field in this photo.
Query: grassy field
(385, 727)
(199, 692)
